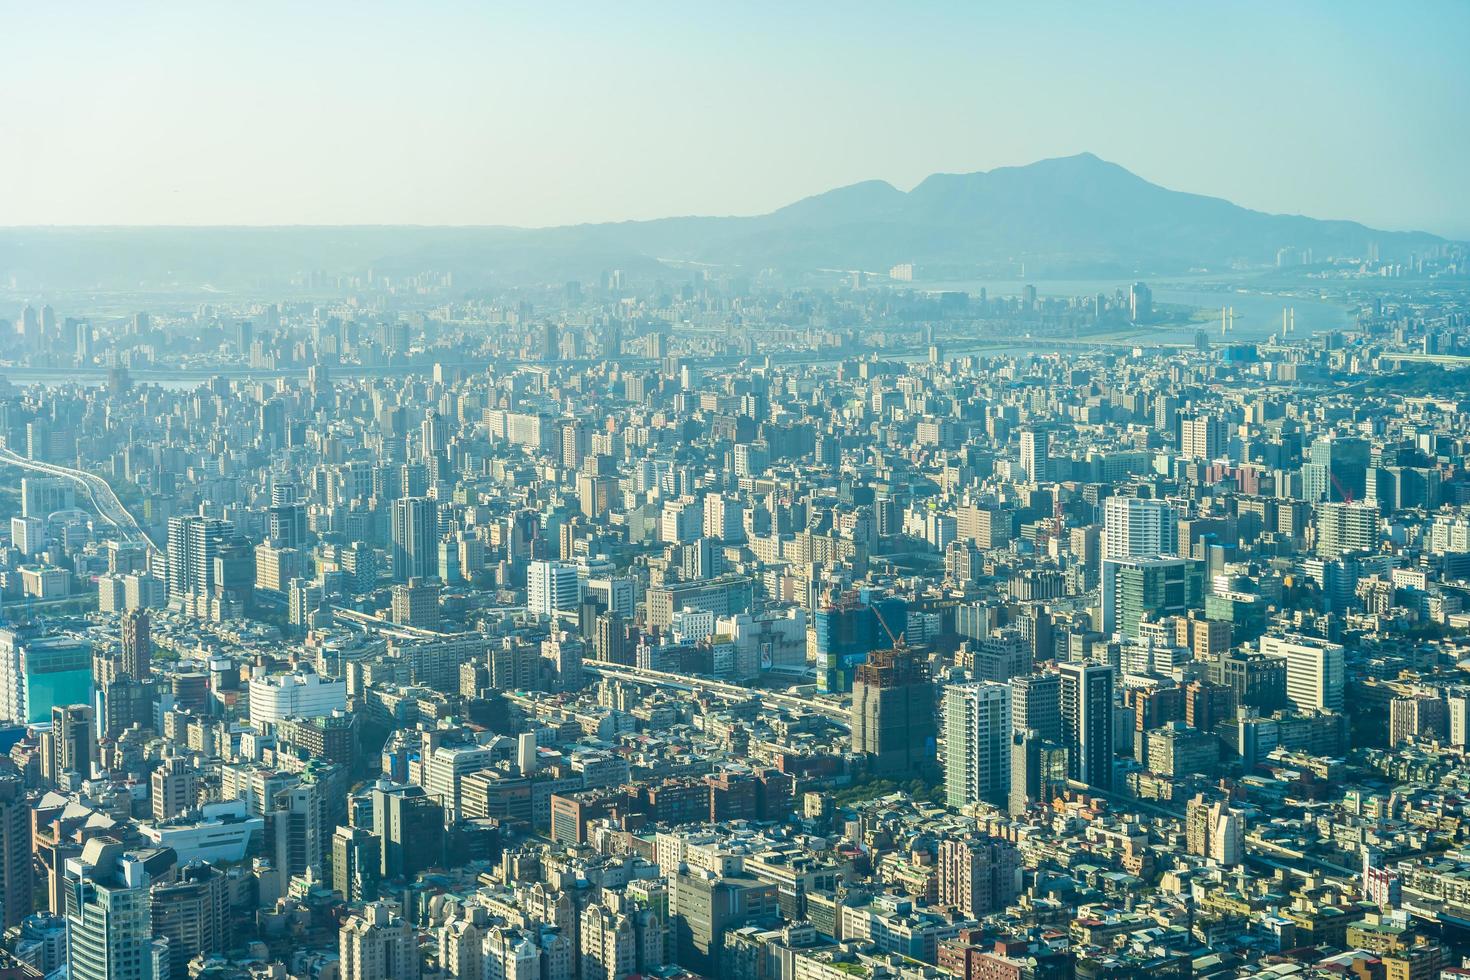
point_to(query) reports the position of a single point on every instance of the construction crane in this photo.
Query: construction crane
(1342, 491)
(898, 641)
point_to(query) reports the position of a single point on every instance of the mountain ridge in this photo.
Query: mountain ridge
(1071, 216)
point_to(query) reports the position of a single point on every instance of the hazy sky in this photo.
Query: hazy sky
(478, 113)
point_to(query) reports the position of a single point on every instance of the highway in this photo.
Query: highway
(732, 692)
(99, 492)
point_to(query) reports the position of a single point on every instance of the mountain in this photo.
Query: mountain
(1066, 216)
(1070, 216)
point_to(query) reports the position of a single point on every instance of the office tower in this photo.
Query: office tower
(1035, 461)
(1255, 680)
(1135, 527)
(1038, 770)
(378, 944)
(1135, 588)
(193, 544)
(1315, 670)
(296, 826)
(706, 906)
(1343, 527)
(42, 496)
(551, 586)
(73, 739)
(1004, 654)
(977, 738)
(38, 673)
(193, 914)
(286, 523)
(356, 863)
(137, 645)
(1336, 469)
(409, 825)
(978, 876)
(1201, 437)
(1140, 303)
(1087, 722)
(415, 538)
(611, 642)
(1036, 704)
(893, 713)
(609, 944)
(17, 876)
(108, 920)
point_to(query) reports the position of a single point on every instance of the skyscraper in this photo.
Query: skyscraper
(137, 645)
(193, 544)
(1038, 770)
(1036, 704)
(1344, 527)
(415, 538)
(977, 738)
(1087, 722)
(1035, 459)
(108, 920)
(1136, 527)
(1315, 670)
(893, 712)
(1336, 469)
(72, 739)
(17, 879)
(1135, 588)
(1201, 437)
(551, 586)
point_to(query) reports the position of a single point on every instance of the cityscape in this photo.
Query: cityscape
(1040, 573)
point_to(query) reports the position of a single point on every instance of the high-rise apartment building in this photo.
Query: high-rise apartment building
(978, 876)
(977, 738)
(137, 645)
(17, 878)
(1344, 527)
(378, 944)
(194, 542)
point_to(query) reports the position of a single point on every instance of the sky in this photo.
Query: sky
(440, 112)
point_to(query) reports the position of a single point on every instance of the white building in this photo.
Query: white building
(282, 696)
(1315, 670)
(550, 586)
(977, 739)
(1137, 528)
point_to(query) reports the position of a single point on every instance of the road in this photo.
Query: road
(99, 492)
(733, 692)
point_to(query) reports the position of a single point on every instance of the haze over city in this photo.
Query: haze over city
(750, 492)
(531, 115)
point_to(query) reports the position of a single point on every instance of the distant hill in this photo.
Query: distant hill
(1071, 216)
